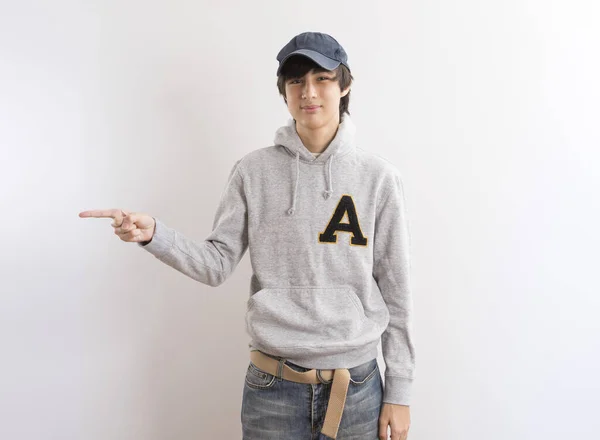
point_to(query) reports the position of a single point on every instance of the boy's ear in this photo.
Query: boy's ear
(345, 92)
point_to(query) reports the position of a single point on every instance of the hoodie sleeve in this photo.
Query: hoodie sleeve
(210, 261)
(391, 270)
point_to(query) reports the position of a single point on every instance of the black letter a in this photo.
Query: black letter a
(346, 205)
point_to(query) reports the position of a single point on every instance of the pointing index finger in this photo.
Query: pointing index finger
(97, 213)
(116, 214)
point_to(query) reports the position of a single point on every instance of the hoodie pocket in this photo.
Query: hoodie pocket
(327, 319)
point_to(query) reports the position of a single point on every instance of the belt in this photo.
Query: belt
(339, 387)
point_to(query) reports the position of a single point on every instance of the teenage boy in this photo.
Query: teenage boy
(325, 223)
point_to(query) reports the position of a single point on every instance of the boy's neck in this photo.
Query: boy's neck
(317, 141)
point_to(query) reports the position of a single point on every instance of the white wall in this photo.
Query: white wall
(489, 109)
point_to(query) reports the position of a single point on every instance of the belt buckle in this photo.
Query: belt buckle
(321, 378)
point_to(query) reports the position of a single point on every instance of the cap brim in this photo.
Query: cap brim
(320, 59)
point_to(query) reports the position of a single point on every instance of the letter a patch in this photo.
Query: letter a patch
(344, 207)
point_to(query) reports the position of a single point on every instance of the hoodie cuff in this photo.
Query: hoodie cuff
(162, 240)
(397, 390)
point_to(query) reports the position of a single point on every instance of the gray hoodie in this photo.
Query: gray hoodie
(330, 253)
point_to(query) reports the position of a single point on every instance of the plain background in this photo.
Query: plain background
(489, 109)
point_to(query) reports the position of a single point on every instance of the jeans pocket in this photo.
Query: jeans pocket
(363, 373)
(257, 378)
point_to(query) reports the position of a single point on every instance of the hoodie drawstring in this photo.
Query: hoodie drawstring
(287, 138)
(326, 194)
(293, 208)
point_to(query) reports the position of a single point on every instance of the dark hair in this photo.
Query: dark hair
(297, 66)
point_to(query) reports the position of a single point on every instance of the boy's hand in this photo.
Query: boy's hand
(129, 226)
(398, 419)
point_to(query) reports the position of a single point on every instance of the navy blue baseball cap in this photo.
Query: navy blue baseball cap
(323, 49)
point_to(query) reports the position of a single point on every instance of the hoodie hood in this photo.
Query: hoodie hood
(343, 143)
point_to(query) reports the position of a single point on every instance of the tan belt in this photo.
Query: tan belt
(339, 387)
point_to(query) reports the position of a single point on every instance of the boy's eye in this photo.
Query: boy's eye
(294, 80)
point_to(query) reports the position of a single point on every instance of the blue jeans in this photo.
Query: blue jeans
(278, 409)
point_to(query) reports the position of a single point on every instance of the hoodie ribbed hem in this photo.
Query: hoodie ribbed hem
(309, 358)
(397, 390)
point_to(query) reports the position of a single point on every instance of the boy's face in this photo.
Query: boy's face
(316, 88)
